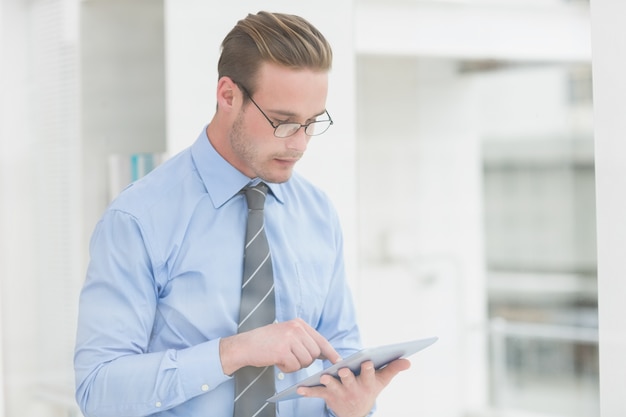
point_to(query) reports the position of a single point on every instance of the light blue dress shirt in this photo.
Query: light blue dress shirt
(164, 283)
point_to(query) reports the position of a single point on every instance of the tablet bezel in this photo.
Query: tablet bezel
(380, 356)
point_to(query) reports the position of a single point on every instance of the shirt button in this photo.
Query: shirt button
(204, 387)
(281, 376)
(158, 404)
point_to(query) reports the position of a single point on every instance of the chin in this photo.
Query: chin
(278, 178)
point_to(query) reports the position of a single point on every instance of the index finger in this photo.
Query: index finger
(327, 351)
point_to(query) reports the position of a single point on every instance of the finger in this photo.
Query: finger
(327, 351)
(386, 374)
(329, 381)
(318, 392)
(299, 349)
(289, 363)
(304, 354)
(347, 377)
(368, 373)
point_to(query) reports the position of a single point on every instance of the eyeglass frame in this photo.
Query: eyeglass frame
(276, 126)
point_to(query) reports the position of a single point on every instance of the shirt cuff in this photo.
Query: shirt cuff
(200, 368)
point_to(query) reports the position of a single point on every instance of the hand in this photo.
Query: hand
(354, 396)
(290, 346)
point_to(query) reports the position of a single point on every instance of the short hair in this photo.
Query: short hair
(282, 39)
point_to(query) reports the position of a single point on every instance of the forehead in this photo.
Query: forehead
(300, 91)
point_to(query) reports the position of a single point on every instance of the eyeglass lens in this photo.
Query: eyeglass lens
(317, 127)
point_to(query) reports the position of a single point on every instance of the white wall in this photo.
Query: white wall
(122, 93)
(609, 67)
(519, 30)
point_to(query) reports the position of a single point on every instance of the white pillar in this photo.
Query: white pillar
(609, 66)
(2, 209)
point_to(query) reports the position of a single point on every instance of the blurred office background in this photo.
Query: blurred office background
(461, 162)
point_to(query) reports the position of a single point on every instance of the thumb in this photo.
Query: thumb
(386, 374)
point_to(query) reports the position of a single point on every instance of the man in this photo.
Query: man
(160, 326)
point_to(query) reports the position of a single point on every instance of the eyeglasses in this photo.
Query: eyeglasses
(284, 130)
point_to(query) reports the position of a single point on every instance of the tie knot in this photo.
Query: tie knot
(256, 196)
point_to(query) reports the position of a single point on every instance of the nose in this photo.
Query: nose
(298, 141)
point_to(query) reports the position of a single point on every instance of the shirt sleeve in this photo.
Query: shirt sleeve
(116, 374)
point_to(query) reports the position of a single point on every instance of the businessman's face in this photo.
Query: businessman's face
(284, 95)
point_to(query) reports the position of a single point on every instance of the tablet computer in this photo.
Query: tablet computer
(380, 356)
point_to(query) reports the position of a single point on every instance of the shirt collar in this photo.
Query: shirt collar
(222, 180)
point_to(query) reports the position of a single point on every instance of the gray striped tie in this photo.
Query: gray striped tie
(254, 385)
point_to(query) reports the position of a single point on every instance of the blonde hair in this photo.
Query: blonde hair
(282, 39)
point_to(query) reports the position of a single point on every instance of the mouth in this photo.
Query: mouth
(288, 160)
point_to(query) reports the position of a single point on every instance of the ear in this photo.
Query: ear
(228, 94)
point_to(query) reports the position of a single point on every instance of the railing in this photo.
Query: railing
(501, 330)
